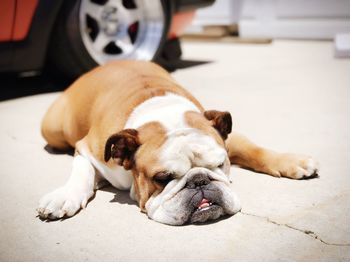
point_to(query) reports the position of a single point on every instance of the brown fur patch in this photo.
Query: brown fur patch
(144, 189)
(221, 121)
(197, 120)
(123, 146)
(152, 136)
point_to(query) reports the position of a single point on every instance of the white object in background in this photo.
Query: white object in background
(222, 12)
(298, 19)
(342, 45)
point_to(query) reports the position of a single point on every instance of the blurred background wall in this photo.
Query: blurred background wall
(298, 19)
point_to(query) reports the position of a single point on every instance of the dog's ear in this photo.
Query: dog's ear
(122, 146)
(221, 121)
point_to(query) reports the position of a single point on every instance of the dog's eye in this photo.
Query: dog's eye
(163, 178)
(221, 165)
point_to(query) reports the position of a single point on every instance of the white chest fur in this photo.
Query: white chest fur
(168, 110)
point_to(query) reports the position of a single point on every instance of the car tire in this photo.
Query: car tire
(171, 54)
(88, 33)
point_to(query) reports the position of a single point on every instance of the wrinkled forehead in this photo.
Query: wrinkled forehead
(188, 148)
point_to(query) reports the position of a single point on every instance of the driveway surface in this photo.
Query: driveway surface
(288, 96)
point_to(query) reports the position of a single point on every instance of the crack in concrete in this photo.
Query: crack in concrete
(307, 232)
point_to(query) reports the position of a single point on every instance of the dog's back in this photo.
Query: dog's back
(125, 83)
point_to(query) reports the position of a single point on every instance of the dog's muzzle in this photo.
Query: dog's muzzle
(206, 200)
(201, 195)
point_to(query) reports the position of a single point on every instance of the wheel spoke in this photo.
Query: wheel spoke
(124, 43)
(92, 9)
(128, 16)
(132, 16)
(101, 41)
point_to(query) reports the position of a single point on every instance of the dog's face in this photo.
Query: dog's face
(179, 176)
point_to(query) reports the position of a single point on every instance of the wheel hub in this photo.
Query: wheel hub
(109, 20)
(121, 29)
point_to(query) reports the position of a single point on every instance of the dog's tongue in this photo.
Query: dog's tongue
(204, 203)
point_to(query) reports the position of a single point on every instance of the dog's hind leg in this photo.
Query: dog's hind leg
(246, 154)
(52, 125)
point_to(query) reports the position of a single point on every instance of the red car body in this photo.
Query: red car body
(26, 26)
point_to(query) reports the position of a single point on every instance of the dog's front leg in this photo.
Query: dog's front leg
(246, 154)
(67, 200)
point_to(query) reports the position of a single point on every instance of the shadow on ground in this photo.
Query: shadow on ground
(13, 86)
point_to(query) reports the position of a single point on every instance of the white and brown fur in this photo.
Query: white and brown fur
(100, 115)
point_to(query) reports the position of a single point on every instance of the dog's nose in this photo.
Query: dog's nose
(198, 180)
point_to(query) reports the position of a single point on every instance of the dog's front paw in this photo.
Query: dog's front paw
(64, 201)
(295, 166)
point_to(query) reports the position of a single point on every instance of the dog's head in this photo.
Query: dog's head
(179, 176)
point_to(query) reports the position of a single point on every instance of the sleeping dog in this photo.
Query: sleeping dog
(132, 125)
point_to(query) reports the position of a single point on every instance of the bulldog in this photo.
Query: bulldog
(132, 125)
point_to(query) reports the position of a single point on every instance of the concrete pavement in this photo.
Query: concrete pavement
(288, 96)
